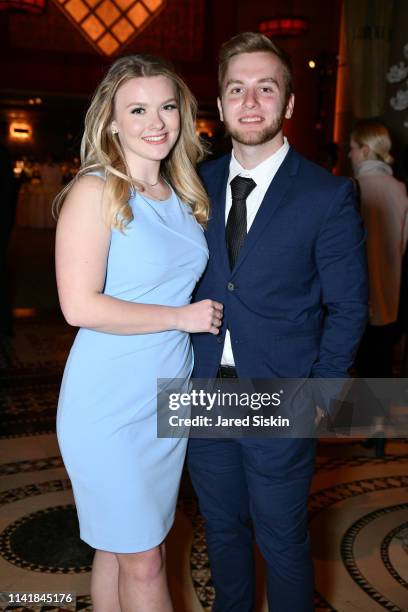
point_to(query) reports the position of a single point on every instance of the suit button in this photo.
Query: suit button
(220, 339)
(231, 287)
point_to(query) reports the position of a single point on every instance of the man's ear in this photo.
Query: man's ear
(219, 104)
(289, 107)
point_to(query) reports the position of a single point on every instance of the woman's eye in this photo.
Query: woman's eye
(139, 110)
(170, 107)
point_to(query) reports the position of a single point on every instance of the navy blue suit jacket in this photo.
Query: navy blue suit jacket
(296, 301)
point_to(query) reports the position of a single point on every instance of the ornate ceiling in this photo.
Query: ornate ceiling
(110, 24)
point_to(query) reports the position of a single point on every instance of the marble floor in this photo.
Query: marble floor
(358, 504)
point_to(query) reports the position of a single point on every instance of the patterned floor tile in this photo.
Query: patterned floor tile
(357, 505)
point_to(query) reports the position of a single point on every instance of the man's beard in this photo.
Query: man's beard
(256, 138)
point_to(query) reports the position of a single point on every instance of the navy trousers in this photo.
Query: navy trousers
(256, 488)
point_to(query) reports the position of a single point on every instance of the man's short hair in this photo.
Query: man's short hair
(251, 42)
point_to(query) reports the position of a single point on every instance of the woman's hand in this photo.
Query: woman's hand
(204, 316)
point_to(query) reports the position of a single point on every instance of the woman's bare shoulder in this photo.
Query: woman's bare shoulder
(85, 194)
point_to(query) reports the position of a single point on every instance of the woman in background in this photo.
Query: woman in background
(129, 251)
(384, 208)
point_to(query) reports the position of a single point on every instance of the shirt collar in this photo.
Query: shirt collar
(262, 173)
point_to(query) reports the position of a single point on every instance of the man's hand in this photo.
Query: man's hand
(319, 415)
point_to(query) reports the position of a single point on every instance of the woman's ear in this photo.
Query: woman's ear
(366, 151)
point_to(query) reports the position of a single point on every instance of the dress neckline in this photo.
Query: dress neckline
(150, 199)
(156, 201)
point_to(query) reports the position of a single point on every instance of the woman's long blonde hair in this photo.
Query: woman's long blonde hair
(101, 150)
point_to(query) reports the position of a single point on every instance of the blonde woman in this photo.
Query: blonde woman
(129, 251)
(384, 208)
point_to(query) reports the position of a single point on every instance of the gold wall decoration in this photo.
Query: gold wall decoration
(110, 24)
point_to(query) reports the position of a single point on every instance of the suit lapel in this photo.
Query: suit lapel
(217, 192)
(274, 197)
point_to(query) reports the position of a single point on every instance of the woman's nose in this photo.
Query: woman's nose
(156, 121)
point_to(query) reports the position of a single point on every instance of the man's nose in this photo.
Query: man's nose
(250, 99)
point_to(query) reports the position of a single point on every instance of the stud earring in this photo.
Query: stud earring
(114, 130)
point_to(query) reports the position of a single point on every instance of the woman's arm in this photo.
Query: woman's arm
(82, 245)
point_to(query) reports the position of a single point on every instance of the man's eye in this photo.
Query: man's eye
(266, 89)
(236, 90)
(139, 110)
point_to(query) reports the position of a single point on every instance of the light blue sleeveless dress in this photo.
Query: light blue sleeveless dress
(125, 480)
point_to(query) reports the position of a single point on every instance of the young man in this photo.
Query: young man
(287, 260)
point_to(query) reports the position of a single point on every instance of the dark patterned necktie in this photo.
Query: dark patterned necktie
(236, 229)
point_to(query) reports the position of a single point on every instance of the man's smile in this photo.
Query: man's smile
(251, 119)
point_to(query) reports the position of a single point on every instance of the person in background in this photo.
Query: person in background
(129, 250)
(384, 209)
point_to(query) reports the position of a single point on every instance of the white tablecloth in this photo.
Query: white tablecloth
(34, 205)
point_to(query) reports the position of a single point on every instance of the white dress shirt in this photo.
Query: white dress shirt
(263, 175)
